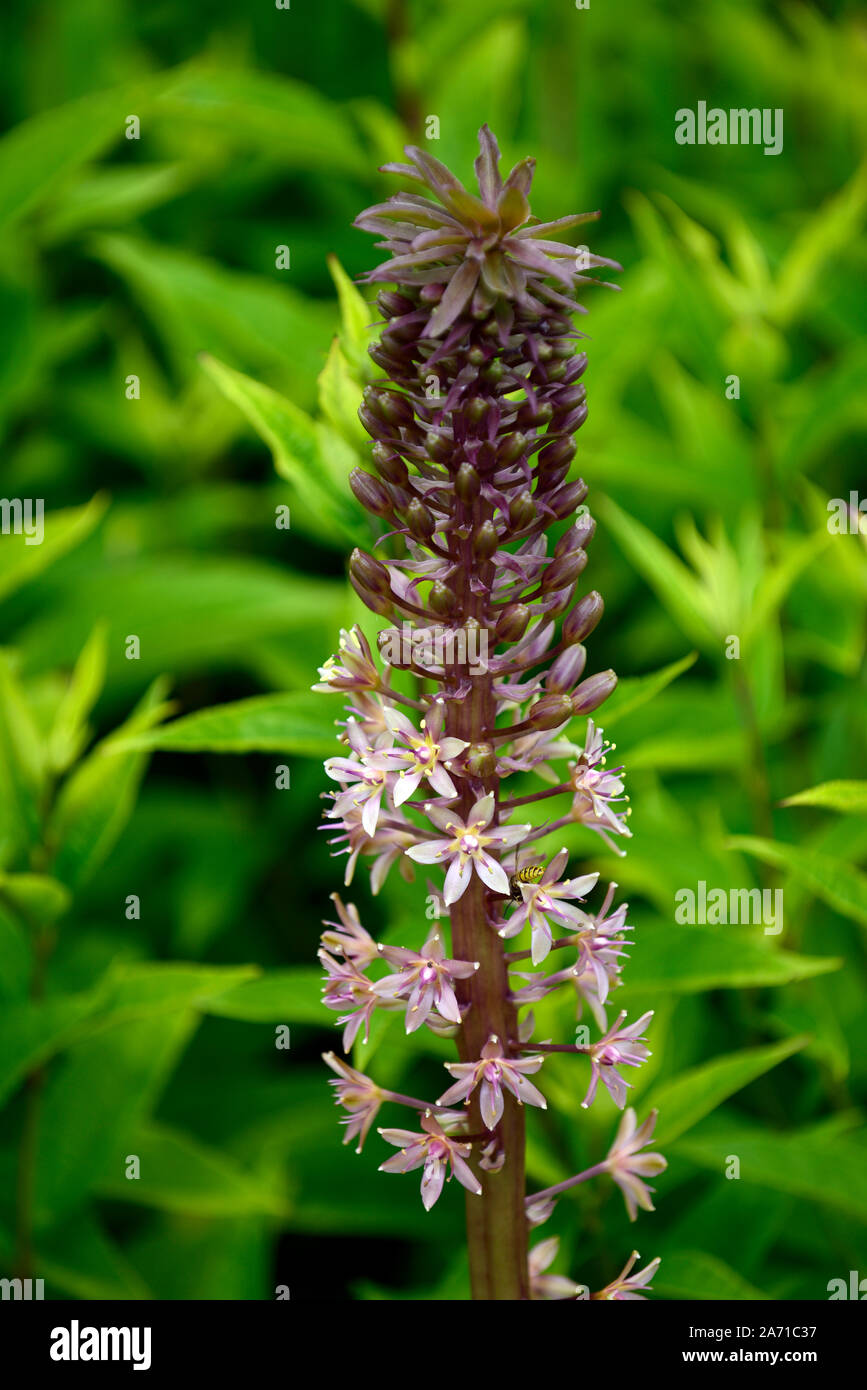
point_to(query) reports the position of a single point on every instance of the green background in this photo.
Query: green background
(155, 1035)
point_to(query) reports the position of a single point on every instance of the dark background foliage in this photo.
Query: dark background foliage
(155, 1035)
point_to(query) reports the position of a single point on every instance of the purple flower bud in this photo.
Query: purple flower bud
(564, 570)
(389, 465)
(584, 616)
(513, 622)
(592, 692)
(568, 668)
(370, 493)
(550, 711)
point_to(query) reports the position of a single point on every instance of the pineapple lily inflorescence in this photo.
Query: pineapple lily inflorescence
(473, 429)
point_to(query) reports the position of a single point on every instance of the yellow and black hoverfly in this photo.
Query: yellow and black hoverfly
(531, 873)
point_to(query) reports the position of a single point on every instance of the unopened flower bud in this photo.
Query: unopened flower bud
(485, 541)
(550, 711)
(540, 414)
(389, 406)
(560, 451)
(370, 492)
(442, 599)
(389, 465)
(584, 616)
(431, 294)
(577, 536)
(439, 447)
(570, 396)
(369, 573)
(592, 692)
(420, 520)
(568, 498)
(393, 305)
(376, 602)
(575, 367)
(564, 570)
(568, 668)
(513, 622)
(480, 760)
(522, 511)
(476, 410)
(510, 448)
(467, 483)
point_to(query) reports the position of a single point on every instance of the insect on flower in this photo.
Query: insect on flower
(531, 873)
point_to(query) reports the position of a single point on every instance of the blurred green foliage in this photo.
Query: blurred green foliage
(157, 257)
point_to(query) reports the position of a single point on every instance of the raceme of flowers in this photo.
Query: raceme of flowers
(483, 531)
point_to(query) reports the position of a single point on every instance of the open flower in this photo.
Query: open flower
(347, 989)
(625, 1287)
(492, 1072)
(349, 938)
(549, 1286)
(363, 782)
(357, 1094)
(621, 1047)
(467, 845)
(434, 1150)
(418, 755)
(628, 1167)
(425, 980)
(353, 668)
(546, 901)
(598, 790)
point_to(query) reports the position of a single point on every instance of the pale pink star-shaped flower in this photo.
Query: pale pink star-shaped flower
(436, 1152)
(549, 1286)
(621, 1047)
(544, 901)
(624, 1289)
(425, 980)
(467, 845)
(419, 754)
(628, 1167)
(349, 938)
(598, 790)
(492, 1072)
(360, 1096)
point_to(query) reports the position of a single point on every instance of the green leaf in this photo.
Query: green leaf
(673, 582)
(192, 613)
(117, 1076)
(357, 319)
(840, 885)
(297, 722)
(96, 801)
(22, 766)
(826, 1168)
(287, 121)
(143, 990)
(849, 798)
(689, 1098)
(304, 452)
(689, 959)
(281, 996)
(36, 898)
(199, 306)
(30, 1033)
(36, 155)
(634, 692)
(69, 733)
(694, 1274)
(179, 1174)
(20, 562)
